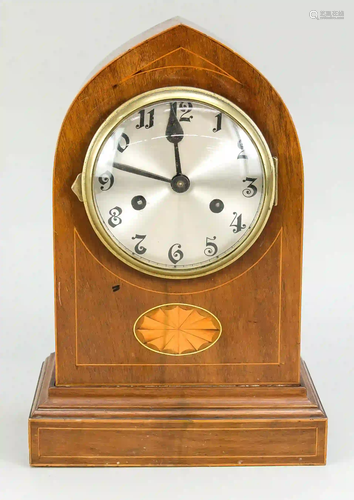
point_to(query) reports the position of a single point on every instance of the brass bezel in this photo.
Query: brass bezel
(204, 97)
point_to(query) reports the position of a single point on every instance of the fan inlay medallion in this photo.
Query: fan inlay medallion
(177, 329)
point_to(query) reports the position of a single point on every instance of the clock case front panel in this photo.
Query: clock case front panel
(257, 298)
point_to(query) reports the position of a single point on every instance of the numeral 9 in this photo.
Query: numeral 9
(106, 180)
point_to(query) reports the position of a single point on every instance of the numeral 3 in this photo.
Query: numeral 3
(250, 190)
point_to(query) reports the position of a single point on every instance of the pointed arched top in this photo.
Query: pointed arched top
(168, 40)
(177, 54)
(177, 24)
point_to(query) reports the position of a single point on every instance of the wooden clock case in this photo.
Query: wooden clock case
(103, 399)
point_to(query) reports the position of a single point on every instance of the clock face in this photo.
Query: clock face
(176, 183)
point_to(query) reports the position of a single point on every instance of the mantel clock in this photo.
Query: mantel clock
(178, 200)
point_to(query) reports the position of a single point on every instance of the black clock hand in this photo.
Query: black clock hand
(174, 134)
(138, 171)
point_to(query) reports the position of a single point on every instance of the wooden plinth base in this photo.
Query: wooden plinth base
(176, 426)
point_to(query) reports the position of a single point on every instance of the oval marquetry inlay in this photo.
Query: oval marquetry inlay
(177, 329)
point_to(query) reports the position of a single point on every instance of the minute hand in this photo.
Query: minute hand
(138, 171)
(174, 134)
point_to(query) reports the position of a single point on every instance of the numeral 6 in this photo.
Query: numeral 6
(175, 254)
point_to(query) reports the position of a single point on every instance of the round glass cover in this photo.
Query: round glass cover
(176, 180)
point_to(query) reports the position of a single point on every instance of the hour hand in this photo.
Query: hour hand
(174, 130)
(174, 134)
(138, 171)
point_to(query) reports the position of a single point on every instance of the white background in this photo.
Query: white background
(47, 50)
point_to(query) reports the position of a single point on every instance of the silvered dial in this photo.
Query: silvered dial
(177, 185)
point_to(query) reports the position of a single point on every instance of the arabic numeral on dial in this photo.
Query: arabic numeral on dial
(186, 108)
(250, 190)
(106, 180)
(123, 143)
(175, 253)
(218, 123)
(242, 155)
(139, 248)
(237, 223)
(115, 220)
(150, 123)
(211, 248)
